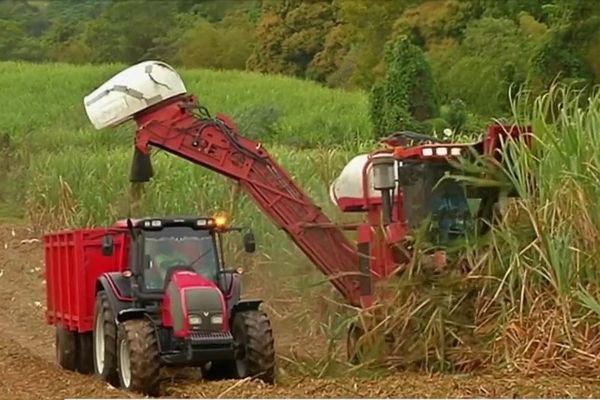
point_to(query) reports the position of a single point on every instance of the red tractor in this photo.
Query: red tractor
(397, 187)
(153, 292)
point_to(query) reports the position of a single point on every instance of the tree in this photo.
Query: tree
(225, 45)
(290, 35)
(406, 96)
(126, 31)
(369, 24)
(434, 22)
(328, 64)
(563, 50)
(492, 57)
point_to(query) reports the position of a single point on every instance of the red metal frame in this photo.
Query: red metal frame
(173, 126)
(73, 263)
(490, 145)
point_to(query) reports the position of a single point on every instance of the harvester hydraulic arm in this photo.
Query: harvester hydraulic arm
(183, 128)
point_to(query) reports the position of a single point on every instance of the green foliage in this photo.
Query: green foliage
(289, 36)
(223, 45)
(336, 43)
(456, 114)
(369, 24)
(127, 29)
(479, 50)
(492, 58)
(217, 10)
(287, 108)
(406, 95)
(431, 23)
(562, 52)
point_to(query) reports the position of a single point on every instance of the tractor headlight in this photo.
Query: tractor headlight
(194, 320)
(216, 319)
(456, 151)
(441, 151)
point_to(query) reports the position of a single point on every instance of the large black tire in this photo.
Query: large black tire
(255, 346)
(105, 360)
(66, 348)
(85, 353)
(139, 358)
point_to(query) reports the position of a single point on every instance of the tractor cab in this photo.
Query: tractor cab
(162, 246)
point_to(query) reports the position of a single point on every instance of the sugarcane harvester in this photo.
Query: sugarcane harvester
(396, 187)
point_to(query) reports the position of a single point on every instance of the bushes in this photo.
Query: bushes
(406, 96)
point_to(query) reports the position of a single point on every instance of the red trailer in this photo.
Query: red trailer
(74, 261)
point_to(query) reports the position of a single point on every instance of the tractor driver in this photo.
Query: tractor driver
(168, 257)
(163, 256)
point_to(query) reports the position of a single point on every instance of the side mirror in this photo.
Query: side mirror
(249, 242)
(107, 245)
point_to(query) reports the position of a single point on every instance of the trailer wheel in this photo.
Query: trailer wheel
(255, 346)
(105, 341)
(85, 353)
(66, 348)
(139, 358)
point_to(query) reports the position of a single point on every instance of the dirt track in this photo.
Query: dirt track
(28, 369)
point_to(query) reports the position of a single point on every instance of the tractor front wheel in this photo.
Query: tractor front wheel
(139, 358)
(254, 346)
(105, 341)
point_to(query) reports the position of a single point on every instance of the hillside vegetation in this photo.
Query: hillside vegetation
(476, 49)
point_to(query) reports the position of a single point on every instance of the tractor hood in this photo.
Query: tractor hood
(194, 303)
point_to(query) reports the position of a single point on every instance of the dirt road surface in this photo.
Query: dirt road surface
(28, 369)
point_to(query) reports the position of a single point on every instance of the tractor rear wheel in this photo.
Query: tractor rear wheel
(139, 358)
(255, 346)
(105, 341)
(66, 348)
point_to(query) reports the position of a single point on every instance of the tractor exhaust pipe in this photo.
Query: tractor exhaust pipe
(141, 167)
(384, 181)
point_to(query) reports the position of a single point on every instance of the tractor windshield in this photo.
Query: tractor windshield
(427, 195)
(178, 247)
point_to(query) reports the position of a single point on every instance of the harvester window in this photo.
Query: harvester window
(426, 194)
(181, 248)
